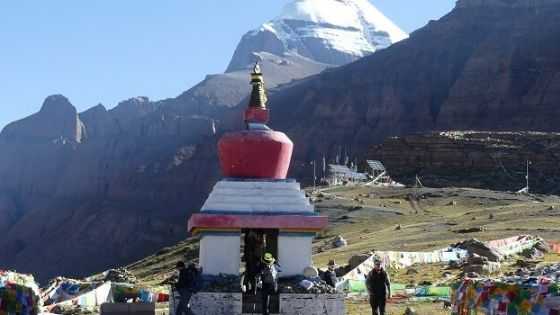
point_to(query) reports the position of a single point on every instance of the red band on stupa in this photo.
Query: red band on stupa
(256, 115)
(226, 222)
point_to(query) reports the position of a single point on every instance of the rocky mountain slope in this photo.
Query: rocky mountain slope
(123, 185)
(81, 192)
(307, 37)
(111, 182)
(496, 160)
(487, 65)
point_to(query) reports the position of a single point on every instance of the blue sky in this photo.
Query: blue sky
(105, 51)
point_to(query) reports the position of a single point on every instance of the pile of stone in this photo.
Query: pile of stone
(340, 242)
(121, 275)
(221, 283)
(479, 265)
(478, 248)
(530, 269)
(552, 272)
(302, 285)
(357, 260)
(543, 246)
(69, 309)
(532, 254)
(537, 252)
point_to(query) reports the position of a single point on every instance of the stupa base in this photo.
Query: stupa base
(290, 304)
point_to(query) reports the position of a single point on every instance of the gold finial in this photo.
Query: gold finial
(257, 68)
(258, 94)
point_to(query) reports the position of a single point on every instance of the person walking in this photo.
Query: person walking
(186, 285)
(269, 281)
(330, 275)
(379, 288)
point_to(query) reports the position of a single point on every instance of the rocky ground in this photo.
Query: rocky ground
(405, 219)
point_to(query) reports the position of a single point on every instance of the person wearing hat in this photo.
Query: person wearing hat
(379, 288)
(186, 286)
(330, 275)
(269, 281)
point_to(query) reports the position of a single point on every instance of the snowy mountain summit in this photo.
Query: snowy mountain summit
(332, 32)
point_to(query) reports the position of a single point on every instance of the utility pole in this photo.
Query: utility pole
(314, 175)
(416, 187)
(527, 176)
(324, 168)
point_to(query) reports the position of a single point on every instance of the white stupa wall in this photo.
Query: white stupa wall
(294, 253)
(220, 254)
(274, 197)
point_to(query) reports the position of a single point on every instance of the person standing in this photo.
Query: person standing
(330, 274)
(379, 288)
(268, 280)
(186, 286)
(254, 248)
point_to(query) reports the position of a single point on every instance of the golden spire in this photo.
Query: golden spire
(258, 94)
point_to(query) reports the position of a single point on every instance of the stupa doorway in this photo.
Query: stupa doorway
(254, 244)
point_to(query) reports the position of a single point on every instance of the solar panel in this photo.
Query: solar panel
(339, 169)
(358, 176)
(376, 165)
(345, 171)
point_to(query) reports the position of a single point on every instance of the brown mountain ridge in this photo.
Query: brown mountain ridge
(81, 192)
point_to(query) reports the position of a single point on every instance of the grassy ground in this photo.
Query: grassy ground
(361, 307)
(155, 270)
(427, 219)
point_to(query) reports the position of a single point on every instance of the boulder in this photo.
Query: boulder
(476, 247)
(488, 268)
(310, 272)
(472, 229)
(340, 242)
(356, 260)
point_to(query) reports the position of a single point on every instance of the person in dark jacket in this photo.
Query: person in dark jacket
(330, 275)
(269, 281)
(186, 286)
(379, 288)
(253, 255)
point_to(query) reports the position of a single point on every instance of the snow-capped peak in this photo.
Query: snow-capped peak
(359, 14)
(332, 32)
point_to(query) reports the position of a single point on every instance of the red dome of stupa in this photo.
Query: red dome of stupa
(258, 151)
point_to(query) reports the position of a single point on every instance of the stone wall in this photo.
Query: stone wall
(216, 303)
(128, 309)
(204, 303)
(308, 304)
